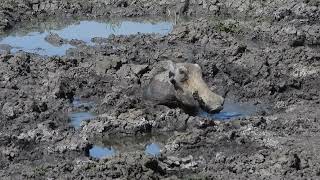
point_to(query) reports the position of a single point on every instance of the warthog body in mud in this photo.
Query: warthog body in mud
(181, 84)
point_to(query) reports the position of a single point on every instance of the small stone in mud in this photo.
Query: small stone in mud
(139, 69)
(8, 110)
(55, 40)
(104, 63)
(76, 42)
(5, 47)
(99, 40)
(297, 41)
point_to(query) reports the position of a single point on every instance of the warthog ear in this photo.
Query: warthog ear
(171, 66)
(181, 74)
(171, 74)
(171, 69)
(197, 65)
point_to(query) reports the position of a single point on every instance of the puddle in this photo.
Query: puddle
(101, 152)
(34, 41)
(153, 149)
(77, 117)
(109, 146)
(232, 110)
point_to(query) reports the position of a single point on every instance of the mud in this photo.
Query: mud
(261, 54)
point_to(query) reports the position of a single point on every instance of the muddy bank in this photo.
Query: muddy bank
(12, 11)
(273, 71)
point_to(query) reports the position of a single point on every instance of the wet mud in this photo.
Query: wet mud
(72, 106)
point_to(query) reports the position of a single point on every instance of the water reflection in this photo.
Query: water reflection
(77, 117)
(34, 40)
(232, 110)
(101, 152)
(153, 149)
(150, 144)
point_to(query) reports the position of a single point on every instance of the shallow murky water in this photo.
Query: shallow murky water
(232, 110)
(153, 149)
(101, 152)
(77, 117)
(108, 147)
(34, 41)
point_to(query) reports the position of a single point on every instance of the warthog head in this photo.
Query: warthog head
(181, 84)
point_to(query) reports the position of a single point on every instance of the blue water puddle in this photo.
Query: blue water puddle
(149, 144)
(77, 117)
(101, 152)
(34, 42)
(231, 110)
(153, 149)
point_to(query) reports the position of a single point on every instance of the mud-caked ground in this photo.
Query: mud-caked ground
(261, 52)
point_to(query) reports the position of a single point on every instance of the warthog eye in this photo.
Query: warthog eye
(181, 71)
(171, 74)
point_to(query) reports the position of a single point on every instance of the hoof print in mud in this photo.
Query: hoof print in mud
(181, 85)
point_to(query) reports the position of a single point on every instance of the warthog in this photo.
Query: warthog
(181, 85)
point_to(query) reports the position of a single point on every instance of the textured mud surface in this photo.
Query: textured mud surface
(271, 63)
